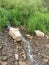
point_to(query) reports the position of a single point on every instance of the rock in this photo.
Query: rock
(47, 36)
(23, 55)
(17, 57)
(15, 34)
(4, 63)
(38, 53)
(45, 60)
(1, 47)
(47, 46)
(29, 36)
(4, 58)
(39, 33)
(22, 63)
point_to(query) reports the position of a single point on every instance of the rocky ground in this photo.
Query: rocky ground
(13, 53)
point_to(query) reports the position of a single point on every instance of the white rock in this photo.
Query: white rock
(15, 34)
(17, 57)
(39, 33)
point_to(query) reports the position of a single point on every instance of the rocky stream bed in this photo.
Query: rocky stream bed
(15, 53)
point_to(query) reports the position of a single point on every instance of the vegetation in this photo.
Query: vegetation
(34, 14)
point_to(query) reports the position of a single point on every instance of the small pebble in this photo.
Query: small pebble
(45, 60)
(17, 57)
(1, 47)
(4, 58)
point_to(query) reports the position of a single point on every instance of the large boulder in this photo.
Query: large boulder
(15, 34)
(39, 33)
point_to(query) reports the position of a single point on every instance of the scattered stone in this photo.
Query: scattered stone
(29, 36)
(4, 58)
(2, 42)
(22, 63)
(45, 60)
(14, 41)
(47, 36)
(1, 47)
(15, 34)
(17, 57)
(47, 46)
(23, 55)
(4, 63)
(38, 53)
(39, 33)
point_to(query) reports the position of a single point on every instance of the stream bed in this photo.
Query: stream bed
(35, 51)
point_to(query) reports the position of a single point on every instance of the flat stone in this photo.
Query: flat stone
(4, 63)
(4, 58)
(17, 57)
(45, 60)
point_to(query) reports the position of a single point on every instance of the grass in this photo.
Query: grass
(38, 21)
(29, 13)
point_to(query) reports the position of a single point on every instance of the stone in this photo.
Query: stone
(15, 34)
(23, 55)
(45, 60)
(4, 58)
(39, 33)
(47, 36)
(22, 63)
(29, 36)
(47, 46)
(17, 57)
(4, 63)
(1, 47)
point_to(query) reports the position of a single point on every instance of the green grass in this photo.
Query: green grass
(30, 13)
(38, 21)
